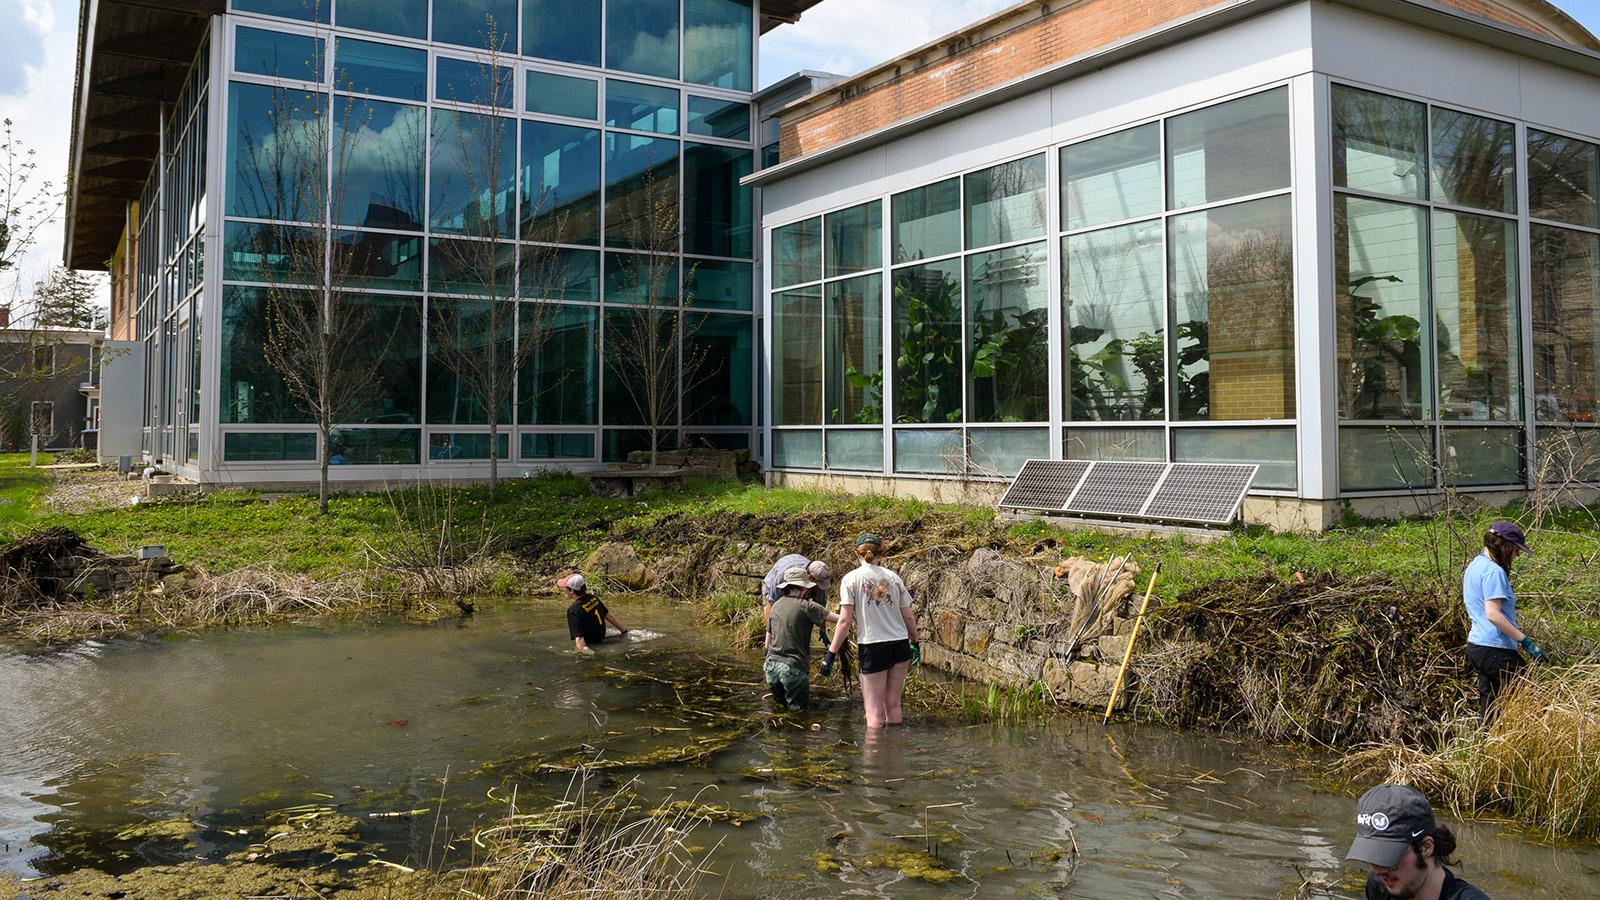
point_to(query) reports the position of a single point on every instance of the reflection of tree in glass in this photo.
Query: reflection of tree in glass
(1124, 378)
(1381, 349)
(927, 313)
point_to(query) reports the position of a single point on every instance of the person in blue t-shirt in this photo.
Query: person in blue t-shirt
(1486, 589)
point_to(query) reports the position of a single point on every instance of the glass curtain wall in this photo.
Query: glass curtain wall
(1429, 310)
(468, 154)
(1176, 292)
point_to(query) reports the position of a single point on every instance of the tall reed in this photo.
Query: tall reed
(1537, 762)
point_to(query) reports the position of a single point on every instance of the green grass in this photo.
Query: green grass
(20, 490)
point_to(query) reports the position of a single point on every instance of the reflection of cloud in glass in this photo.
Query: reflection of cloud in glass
(717, 54)
(381, 172)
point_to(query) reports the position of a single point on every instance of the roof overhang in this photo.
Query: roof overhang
(783, 12)
(1437, 18)
(133, 56)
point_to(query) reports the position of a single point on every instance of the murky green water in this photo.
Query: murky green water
(225, 727)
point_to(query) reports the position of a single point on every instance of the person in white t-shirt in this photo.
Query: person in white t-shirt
(876, 602)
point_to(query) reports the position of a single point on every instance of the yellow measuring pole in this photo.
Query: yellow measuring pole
(1128, 656)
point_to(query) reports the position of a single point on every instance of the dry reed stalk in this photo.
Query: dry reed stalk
(1537, 762)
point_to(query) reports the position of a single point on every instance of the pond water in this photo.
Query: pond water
(224, 727)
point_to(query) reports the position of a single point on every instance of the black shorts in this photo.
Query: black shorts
(883, 655)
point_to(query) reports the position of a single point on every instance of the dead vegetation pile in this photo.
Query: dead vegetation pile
(1337, 661)
(32, 568)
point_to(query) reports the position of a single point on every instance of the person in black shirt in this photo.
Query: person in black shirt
(587, 616)
(1407, 850)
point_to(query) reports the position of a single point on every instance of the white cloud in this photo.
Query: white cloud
(847, 36)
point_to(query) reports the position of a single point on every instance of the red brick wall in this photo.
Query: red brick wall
(1061, 33)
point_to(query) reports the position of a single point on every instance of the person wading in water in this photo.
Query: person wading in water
(1486, 590)
(1407, 850)
(587, 616)
(794, 615)
(877, 602)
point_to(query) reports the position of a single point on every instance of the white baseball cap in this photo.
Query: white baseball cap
(573, 582)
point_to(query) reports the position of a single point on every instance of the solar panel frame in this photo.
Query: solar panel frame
(1060, 477)
(1208, 493)
(1117, 488)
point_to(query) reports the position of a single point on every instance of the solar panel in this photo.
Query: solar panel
(1045, 484)
(1201, 492)
(1117, 488)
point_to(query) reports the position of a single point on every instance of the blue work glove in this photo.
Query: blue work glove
(916, 653)
(827, 664)
(1533, 649)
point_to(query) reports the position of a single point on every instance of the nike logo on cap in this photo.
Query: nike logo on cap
(1417, 833)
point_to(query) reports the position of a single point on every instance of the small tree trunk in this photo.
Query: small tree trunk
(494, 456)
(322, 481)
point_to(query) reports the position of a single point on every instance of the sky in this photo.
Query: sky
(38, 51)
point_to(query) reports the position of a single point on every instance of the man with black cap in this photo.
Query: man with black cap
(1492, 606)
(1407, 850)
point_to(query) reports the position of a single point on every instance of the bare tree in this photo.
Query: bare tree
(28, 203)
(651, 350)
(486, 341)
(325, 342)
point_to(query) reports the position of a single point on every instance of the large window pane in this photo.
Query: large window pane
(1563, 179)
(1112, 178)
(641, 107)
(718, 212)
(1008, 314)
(366, 67)
(927, 221)
(267, 446)
(854, 239)
(470, 267)
(277, 153)
(854, 368)
(252, 390)
(447, 446)
(617, 443)
(304, 10)
(1380, 143)
(368, 259)
(718, 284)
(1116, 351)
(375, 446)
(927, 343)
(572, 275)
(797, 253)
(560, 381)
(277, 55)
(489, 24)
(275, 254)
(717, 43)
(1273, 449)
(1002, 451)
(378, 164)
(472, 171)
(557, 445)
(797, 449)
(641, 368)
(564, 30)
(473, 83)
(1474, 161)
(455, 329)
(642, 36)
(855, 449)
(392, 351)
(1380, 275)
(1116, 444)
(1006, 203)
(932, 451)
(1566, 325)
(641, 191)
(1233, 149)
(797, 357)
(406, 18)
(1479, 457)
(560, 183)
(1393, 458)
(718, 353)
(1232, 295)
(561, 95)
(712, 117)
(642, 279)
(1475, 300)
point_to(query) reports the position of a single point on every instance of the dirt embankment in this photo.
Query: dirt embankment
(1327, 660)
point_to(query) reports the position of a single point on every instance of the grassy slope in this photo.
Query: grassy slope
(231, 530)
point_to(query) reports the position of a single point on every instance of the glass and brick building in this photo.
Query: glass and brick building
(1356, 242)
(181, 180)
